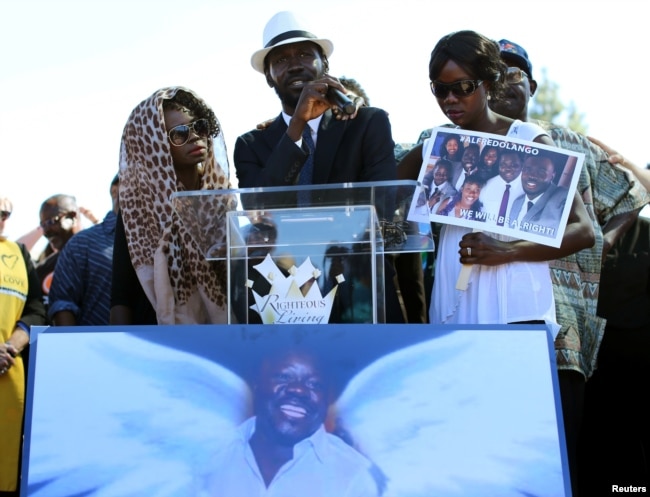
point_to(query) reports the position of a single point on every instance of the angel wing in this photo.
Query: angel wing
(117, 416)
(458, 415)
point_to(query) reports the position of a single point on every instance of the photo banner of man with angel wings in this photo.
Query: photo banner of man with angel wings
(357, 410)
(499, 184)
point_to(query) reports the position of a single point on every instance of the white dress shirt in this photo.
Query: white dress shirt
(323, 465)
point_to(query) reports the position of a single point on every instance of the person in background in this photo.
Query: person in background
(160, 274)
(614, 442)
(59, 216)
(615, 436)
(612, 200)
(22, 307)
(617, 159)
(81, 287)
(31, 238)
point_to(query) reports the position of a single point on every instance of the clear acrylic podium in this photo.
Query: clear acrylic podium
(317, 263)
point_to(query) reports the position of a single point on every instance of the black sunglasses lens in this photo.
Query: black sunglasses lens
(201, 127)
(459, 88)
(440, 90)
(179, 134)
(4, 215)
(463, 88)
(48, 223)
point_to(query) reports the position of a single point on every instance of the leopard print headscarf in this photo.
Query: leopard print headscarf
(181, 284)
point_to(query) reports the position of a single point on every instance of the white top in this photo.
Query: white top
(323, 465)
(509, 293)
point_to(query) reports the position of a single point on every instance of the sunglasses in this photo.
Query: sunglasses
(179, 135)
(514, 75)
(460, 89)
(4, 215)
(48, 223)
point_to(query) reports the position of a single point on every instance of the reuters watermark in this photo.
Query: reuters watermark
(628, 489)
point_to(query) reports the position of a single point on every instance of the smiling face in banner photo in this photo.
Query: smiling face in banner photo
(395, 412)
(466, 202)
(543, 203)
(292, 451)
(528, 205)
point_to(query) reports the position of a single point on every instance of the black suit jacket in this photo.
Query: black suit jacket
(352, 151)
(357, 150)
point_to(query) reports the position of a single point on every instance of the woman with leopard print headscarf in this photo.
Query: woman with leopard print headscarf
(160, 275)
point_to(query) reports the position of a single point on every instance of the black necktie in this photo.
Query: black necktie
(307, 172)
(306, 175)
(504, 206)
(435, 192)
(530, 205)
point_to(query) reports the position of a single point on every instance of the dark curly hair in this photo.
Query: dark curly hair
(443, 148)
(353, 85)
(183, 100)
(477, 55)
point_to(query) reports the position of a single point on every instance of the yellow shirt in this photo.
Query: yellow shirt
(13, 295)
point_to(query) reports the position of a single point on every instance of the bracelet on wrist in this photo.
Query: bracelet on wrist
(23, 326)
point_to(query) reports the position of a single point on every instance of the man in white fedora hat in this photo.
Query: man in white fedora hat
(295, 63)
(306, 144)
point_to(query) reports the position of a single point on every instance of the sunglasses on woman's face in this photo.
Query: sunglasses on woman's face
(460, 89)
(179, 135)
(4, 215)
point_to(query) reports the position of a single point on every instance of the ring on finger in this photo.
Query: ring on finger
(469, 251)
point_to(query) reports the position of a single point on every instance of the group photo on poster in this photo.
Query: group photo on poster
(494, 183)
(294, 410)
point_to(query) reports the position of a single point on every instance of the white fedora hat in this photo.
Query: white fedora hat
(284, 28)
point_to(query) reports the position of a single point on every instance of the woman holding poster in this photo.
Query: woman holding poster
(509, 279)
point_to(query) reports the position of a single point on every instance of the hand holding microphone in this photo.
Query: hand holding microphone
(341, 100)
(322, 94)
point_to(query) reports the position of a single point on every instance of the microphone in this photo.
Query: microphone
(341, 100)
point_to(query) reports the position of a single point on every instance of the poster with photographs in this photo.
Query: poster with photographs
(498, 184)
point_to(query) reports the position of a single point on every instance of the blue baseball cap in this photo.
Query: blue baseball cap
(516, 53)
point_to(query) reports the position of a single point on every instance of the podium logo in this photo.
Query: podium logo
(293, 299)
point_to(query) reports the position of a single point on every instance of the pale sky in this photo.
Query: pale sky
(72, 71)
